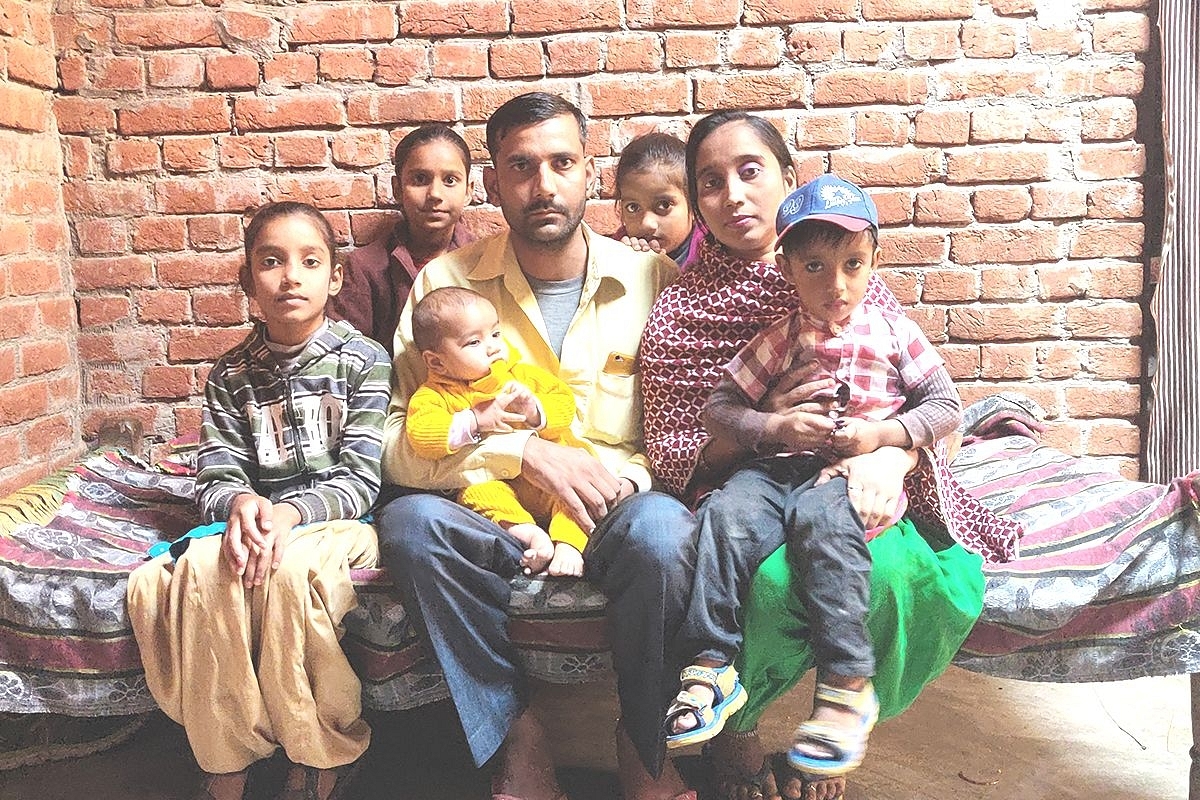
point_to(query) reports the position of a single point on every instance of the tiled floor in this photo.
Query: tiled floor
(967, 738)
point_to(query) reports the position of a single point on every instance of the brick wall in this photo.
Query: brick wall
(39, 371)
(1000, 139)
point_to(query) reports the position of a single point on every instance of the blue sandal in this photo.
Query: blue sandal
(728, 697)
(847, 745)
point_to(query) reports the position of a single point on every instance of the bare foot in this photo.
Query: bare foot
(742, 768)
(794, 787)
(636, 781)
(538, 547)
(525, 769)
(222, 786)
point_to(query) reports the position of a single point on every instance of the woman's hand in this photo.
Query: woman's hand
(874, 482)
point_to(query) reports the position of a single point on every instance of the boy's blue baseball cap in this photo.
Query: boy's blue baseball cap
(828, 198)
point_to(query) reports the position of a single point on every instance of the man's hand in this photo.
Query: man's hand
(567, 561)
(246, 529)
(585, 487)
(284, 517)
(799, 430)
(494, 416)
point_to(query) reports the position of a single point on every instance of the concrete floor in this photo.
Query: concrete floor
(967, 738)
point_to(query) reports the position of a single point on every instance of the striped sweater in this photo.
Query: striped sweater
(310, 436)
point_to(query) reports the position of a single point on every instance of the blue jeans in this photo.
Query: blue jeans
(771, 502)
(452, 569)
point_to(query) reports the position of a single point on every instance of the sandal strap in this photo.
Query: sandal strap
(859, 700)
(697, 674)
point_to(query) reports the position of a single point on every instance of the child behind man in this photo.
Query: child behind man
(893, 390)
(652, 201)
(239, 638)
(475, 388)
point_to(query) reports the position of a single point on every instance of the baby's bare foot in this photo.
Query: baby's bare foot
(538, 547)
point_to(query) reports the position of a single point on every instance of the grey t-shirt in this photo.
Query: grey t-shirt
(558, 301)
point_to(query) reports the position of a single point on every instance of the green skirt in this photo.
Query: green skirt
(925, 598)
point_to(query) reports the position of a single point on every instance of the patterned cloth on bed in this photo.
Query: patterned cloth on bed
(1107, 587)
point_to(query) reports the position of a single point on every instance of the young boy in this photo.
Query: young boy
(239, 638)
(473, 390)
(892, 389)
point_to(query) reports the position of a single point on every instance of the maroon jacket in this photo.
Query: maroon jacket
(378, 277)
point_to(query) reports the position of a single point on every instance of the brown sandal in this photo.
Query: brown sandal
(343, 777)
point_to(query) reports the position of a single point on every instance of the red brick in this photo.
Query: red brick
(199, 114)
(121, 74)
(291, 69)
(162, 306)
(661, 14)
(989, 39)
(128, 344)
(72, 73)
(301, 150)
(1014, 7)
(176, 70)
(31, 64)
(1010, 361)
(997, 164)
(941, 206)
(1104, 320)
(440, 18)
(931, 320)
(917, 9)
(932, 41)
(1054, 125)
(185, 270)
(823, 130)
(190, 154)
(1065, 435)
(755, 90)
(460, 59)
(207, 195)
(14, 236)
(50, 434)
(942, 127)
(343, 22)
(167, 382)
(215, 232)
(1111, 437)
(245, 152)
(1117, 279)
(754, 47)
(23, 402)
(166, 28)
(233, 71)
(187, 419)
(1114, 361)
(36, 275)
(516, 58)
(326, 191)
(627, 53)
(1059, 360)
(1002, 204)
(202, 344)
(406, 63)
(390, 106)
(999, 124)
(1116, 200)
(128, 156)
(101, 236)
(57, 313)
(83, 115)
(533, 16)
(686, 49)
(305, 110)
(87, 30)
(1058, 201)
(1121, 33)
(1114, 5)
(367, 148)
(911, 247)
(1009, 282)
(609, 97)
(774, 12)
(77, 156)
(1109, 119)
(1063, 280)
(18, 318)
(1105, 161)
(881, 128)
(38, 358)
(245, 30)
(886, 166)
(903, 283)
(29, 196)
(50, 235)
(219, 306)
(1103, 399)
(969, 81)
(812, 43)
(109, 384)
(158, 234)
(1104, 239)
(346, 64)
(1017, 322)
(895, 206)
(1004, 245)
(949, 285)
(1047, 39)
(868, 44)
(962, 360)
(867, 86)
(113, 273)
(102, 310)
(584, 54)
(1097, 79)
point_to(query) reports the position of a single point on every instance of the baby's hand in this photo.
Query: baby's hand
(567, 561)
(642, 245)
(522, 402)
(856, 437)
(493, 416)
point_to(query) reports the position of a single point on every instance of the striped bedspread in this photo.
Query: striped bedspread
(1107, 587)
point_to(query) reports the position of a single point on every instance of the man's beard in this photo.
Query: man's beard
(549, 236)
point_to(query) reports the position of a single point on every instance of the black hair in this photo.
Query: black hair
(528, 109)
(648, 151)
(432, 314)
(766, 132)
(424, 135)
(820, 231)
(273, 211)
